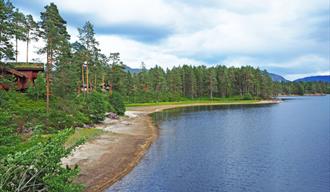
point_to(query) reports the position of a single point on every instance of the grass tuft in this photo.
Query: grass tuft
(82, 134)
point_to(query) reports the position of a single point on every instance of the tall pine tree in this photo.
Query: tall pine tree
(55, 35)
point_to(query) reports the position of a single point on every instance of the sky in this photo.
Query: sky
(286, 37)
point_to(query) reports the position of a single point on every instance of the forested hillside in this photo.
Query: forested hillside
(322, 78)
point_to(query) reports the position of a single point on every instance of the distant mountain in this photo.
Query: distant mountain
(132, 70)
(277, 78)
(324, 78)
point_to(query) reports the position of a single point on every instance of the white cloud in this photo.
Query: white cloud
(106, 12)
(271, 34)
(133, 53)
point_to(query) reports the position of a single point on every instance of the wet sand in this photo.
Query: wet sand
(110, 156)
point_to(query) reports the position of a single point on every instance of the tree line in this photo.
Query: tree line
(67, 62)
(189, 82)
(81, 84)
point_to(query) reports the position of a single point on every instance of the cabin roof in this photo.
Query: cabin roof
(28, 66)
(15, 72)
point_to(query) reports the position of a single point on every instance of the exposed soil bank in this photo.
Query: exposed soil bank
(107, 158)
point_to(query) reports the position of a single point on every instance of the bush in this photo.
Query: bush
(39, 168)
(38, 90)
(8, 136)
(117, 103)
(94, 105)
(247, 96)
(59, 120)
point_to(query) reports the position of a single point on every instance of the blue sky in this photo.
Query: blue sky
(290, 38)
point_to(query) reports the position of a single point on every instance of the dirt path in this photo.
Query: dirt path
(107, 158)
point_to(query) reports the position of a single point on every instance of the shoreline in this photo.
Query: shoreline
(308, 94)
(109, 157)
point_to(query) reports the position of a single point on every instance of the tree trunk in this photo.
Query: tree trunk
(48, 77)
(87, 82)
(110, 88)
(0, 44)
(27, 49)
(94, 81)
(16, 48)
(47, 80)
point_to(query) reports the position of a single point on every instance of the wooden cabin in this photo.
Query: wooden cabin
(24, 73)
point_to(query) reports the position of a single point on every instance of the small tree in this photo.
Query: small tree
(117, 102)
(38, 90)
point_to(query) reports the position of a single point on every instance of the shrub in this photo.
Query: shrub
(94, 105)
(247, 96)
(8, 136)
(38, 90)
(39, 168)
(60, 120)
(117, 102)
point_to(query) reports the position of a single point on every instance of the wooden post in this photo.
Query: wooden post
(83, 77)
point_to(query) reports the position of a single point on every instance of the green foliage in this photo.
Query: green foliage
(301, 88)
(7, 80)
(6, 28)
(39, 167)
(8, 136)
(85, 133)
(94, 105)
(53, 31)
(157, 85)
(117, 102)
(247, 96)
(33, 161)
(38, 90)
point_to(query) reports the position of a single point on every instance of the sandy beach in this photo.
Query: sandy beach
(110, 156)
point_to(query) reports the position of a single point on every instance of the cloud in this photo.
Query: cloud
(306, 64)
(286, 37)
(136, 31)
(133, 53)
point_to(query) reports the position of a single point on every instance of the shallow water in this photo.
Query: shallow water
(284, 147)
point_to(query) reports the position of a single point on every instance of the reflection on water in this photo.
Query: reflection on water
(283, 147)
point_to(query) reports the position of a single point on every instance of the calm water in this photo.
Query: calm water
(283, 147)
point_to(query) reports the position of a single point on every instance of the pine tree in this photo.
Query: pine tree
(54, 32)
(212, 82)
(31, 33)
(92, 52)
(6, 32)
(116, 73)
(19, 29)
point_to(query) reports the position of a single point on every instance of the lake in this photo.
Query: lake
(279, 147)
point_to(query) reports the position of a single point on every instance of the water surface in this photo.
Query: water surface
(283, 147)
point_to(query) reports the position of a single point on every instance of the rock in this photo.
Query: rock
(112, 115)
(87, 126)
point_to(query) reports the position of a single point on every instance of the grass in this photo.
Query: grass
(193, 101)
(83, 134)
